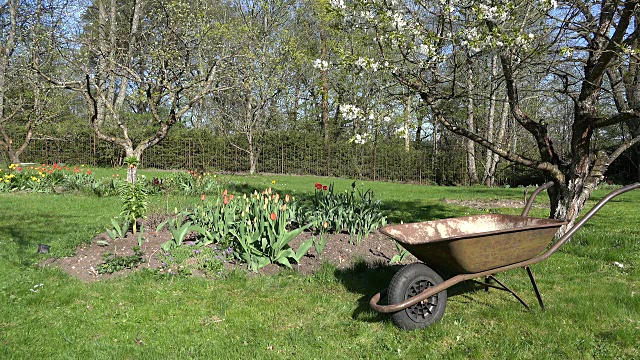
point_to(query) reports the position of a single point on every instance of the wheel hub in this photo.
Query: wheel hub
(425, 308)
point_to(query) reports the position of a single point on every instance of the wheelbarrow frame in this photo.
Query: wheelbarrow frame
(488, 273)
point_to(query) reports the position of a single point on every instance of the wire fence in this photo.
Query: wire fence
(297, 153)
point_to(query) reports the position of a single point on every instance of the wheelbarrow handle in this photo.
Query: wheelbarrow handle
(527, 207)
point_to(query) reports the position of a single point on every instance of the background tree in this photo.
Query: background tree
(138, 67)
(26, 102)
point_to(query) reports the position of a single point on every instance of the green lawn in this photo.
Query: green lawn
(593, 305)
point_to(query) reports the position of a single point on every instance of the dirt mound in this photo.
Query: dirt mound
(375, 249)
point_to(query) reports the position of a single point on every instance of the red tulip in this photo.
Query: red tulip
(202, 197)
(273, 216)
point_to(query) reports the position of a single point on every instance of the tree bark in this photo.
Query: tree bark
(489, 168)
(325, 88)
(471, 126)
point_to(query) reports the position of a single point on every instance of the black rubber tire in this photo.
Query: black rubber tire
(411, 280)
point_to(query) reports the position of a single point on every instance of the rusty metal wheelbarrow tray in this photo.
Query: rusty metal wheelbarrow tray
(471, 247)
(475, 243)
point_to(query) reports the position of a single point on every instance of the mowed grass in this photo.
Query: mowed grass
(593, 304)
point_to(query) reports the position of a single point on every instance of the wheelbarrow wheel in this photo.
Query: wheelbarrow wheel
(410, 281)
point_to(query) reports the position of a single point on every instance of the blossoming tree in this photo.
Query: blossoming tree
(583, 53)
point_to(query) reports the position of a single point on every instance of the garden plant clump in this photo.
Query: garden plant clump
(207, 261)
(354, 211)
(259, 227)
(57, 178)
(114, 263)
(44, 178)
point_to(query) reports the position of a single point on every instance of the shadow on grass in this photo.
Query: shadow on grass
(27, 231)
(415, 211)
(25, 237)
(368, 280)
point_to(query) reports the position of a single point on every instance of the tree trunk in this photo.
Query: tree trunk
(489, 175)
(252, 156)
(501, 133)
(13, 157)
(471, 126)
(325, 88)
(407, 118)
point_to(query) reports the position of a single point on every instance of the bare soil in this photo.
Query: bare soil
(376, 249)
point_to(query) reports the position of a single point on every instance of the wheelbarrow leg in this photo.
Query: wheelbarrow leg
(505, 288)
(535, 287)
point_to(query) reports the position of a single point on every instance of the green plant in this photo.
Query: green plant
(356, 212)
(115, 263)
(106, 186)
(131, 160)
(179, 229)
(134, 202)
(319, 243)
(207, 260)
(119, 230)
(218, 219)
(265, 230)
(400, 256)
(195, 183)
(78, 181)
(258, 226)
(141, 236)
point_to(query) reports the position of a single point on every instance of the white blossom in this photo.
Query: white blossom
(351, 112)
(398, 21)
(427, 50)
(320, 64)
(402, 132)
(492, 13)
(549, 4)
(338, 4)
(360, 139)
